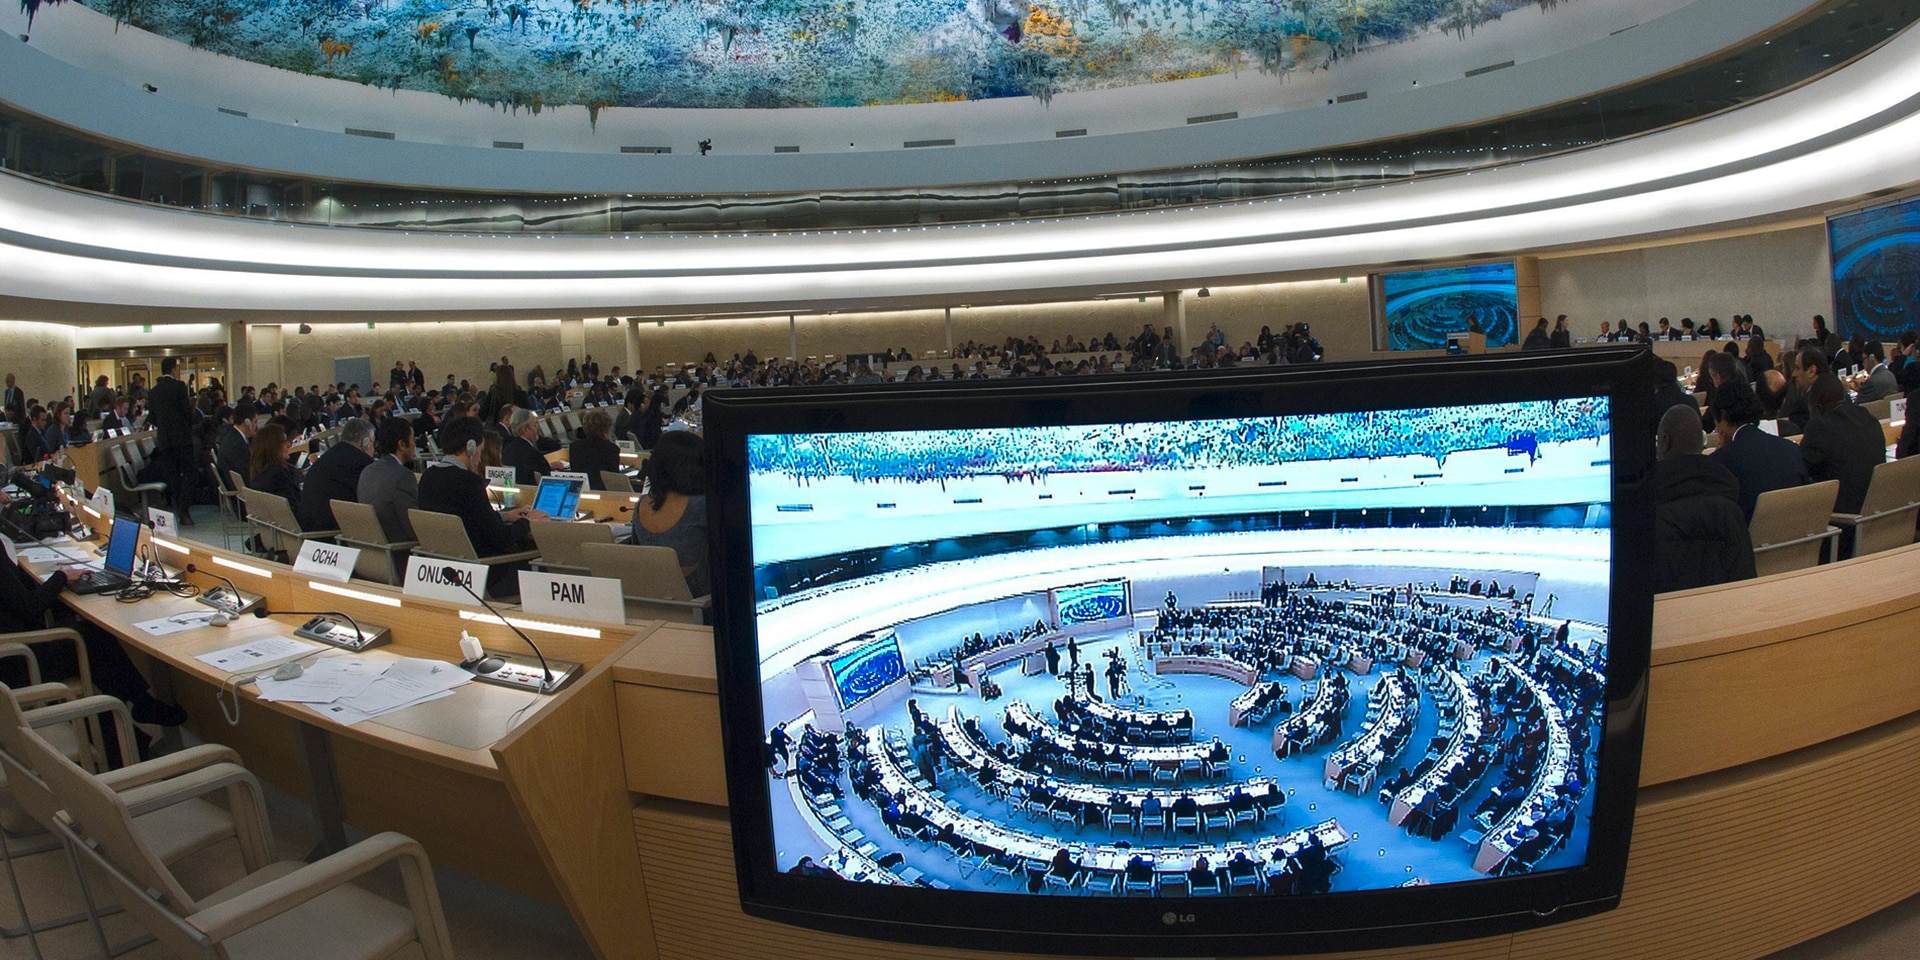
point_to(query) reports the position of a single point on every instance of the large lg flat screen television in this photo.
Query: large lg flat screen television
(1418, 309)
(1876, 271)
(1276, 660)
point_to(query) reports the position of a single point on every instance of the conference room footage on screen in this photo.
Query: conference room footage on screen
(1281, 655)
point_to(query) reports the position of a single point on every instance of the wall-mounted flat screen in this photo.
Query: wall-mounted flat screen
(867, 669)
(1417, 309)
(1328, 662)
(1090, 602)
(1876, 271)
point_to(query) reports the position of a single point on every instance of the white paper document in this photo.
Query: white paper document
(178, 623)
(325, 680)
(256, 654)
(406, 682)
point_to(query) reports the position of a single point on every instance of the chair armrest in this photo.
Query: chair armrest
(500, 558)
(88, 707)
(229, 917)
(171, 765)
(148, 797)
(60, 633)
(1844, 519)
(318, 534)
(41, 694)
(9, 651)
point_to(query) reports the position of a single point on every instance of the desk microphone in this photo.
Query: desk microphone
(506, 669)
(240, 602)
(328, 631)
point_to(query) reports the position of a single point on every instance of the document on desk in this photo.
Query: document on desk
(178, 623)
(62, 557)
(326, 680)
(256, 654)
(407, 682)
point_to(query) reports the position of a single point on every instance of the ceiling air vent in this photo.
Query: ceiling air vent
(231, 112)
(1489, 68)
(910, 144)
(795, 148)
(509, 145)
(370, 134)
(1351, 97)
(1212, 117)
(646, 149)
(1058, 134)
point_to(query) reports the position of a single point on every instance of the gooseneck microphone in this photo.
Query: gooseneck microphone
(240, 603)
(261, 613)
(453, 574)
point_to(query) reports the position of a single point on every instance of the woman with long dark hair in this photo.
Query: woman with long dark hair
(674, 511)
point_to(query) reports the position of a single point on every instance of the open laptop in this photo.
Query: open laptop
(122, 544)
(558, 498)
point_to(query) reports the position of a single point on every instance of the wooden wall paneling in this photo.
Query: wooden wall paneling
(1721, 711)
(1740, 864)
(670, 743)
(466, 821)
(1729, 866)
(562, 769)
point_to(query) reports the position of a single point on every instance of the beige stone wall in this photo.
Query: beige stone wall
(40, 356)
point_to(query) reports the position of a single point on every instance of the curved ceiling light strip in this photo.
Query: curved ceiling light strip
(1836, 139)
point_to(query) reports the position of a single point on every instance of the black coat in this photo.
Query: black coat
(590, 455)
(1844, 444)
(1699, 532)
(170, 413)
(335, 476)
(1761, 463)
(528, 464)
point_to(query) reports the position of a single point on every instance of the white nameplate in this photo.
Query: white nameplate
(426, 578)
(576, 598)
(571, 475)
(501, 476)
(627, 446)
(1897, 410)
(326, 561)
(163, 522)
(103, 501)
(1770, 427)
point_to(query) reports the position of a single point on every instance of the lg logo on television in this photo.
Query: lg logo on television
(1170, 918)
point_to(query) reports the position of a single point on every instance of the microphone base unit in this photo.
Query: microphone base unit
(228, 601)
(521, 672)
(338, 633)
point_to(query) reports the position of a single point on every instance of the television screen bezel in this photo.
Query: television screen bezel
(1189, 926)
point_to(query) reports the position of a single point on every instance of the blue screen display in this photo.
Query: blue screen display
(1090, 602)
(121, 544)
(1876, 271)
(1421, 307)
(867, 670)
(558, 498)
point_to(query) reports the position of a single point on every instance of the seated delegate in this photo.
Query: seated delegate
(457, 487)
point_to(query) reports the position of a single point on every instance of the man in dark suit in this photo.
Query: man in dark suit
(459, 488)
(521, 452)
(388, 484)
(1669, 393)
(1759, 461)
(1843, 442)
(15, 401)
(1699, 531)
(170, 413)
(234, 446)
(336, 476)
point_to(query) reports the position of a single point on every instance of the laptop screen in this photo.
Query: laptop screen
(121, 545)
(558, 498)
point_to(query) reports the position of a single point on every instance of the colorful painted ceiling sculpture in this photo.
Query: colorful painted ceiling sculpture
(789, 53)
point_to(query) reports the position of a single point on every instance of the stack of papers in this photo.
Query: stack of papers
(405, 682)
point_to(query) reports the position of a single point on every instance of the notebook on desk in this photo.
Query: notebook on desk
(558, 498)
(122, 544)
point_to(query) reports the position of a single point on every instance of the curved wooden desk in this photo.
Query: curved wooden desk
(428, 771)
(1782, 754)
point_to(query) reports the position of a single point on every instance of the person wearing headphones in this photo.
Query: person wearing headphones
(463, 493)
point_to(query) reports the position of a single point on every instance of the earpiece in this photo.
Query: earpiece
(472, 446)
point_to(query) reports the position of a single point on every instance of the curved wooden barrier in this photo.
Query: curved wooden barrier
(1782, 755)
